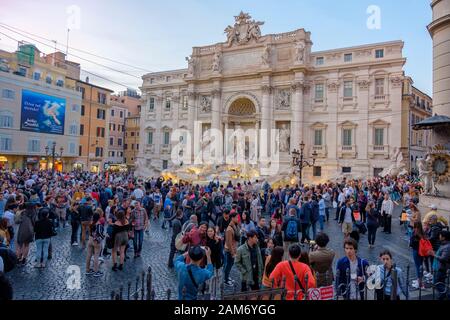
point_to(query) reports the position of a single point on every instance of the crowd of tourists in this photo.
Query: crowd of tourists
(273, 236)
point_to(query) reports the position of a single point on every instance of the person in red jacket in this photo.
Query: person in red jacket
(296, 287)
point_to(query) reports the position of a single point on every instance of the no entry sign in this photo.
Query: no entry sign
(323, 293)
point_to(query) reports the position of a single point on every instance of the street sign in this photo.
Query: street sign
(323, 293)
(327, 293)
(314, 294)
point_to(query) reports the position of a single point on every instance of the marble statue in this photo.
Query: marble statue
(299, 52)
(191, 65)
(266, 56)
(398, 167)
(216, 62)
(426, 174)
(285, 134)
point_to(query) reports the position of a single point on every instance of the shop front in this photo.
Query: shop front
(31, 163)
(116, 167)
(3, 163)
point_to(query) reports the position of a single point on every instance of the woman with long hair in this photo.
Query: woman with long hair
(96, 236)
(25, 234)
(373, 217)
(414, 242)
(271, 262)
(277, 216)
(275, 233)
(120, 239)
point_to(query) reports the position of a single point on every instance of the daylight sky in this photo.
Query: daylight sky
(158, 35)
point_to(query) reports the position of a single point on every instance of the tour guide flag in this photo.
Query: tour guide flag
(42, 113)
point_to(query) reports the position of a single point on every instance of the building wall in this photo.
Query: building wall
(132, 140)
(90, 141)
(244, 75)
(117, 133)
(23, 153)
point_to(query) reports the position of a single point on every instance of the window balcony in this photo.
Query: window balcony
(379, 150)
(150, 148)
(166, 148)
(321, 151)
(347, 151)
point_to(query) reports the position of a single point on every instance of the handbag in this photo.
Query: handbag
(425, 247)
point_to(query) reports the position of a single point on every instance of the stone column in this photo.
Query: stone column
(192, 97)
(264, 148)
(440, 32)
(297, 115)
(216, 123)
(158, 134)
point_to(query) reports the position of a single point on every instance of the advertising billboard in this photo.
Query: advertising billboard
(42, 113)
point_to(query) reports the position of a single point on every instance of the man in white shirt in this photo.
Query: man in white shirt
(138, 194)
(346, 218)
(387, 208)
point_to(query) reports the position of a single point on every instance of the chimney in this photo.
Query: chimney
(87, 79)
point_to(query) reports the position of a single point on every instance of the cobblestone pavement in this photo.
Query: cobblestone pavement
(51, 283)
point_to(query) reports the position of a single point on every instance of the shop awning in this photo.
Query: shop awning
(3, 159)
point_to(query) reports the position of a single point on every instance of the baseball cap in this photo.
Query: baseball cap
(433, 207)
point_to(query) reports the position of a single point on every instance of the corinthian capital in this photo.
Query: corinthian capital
(266, 89)
(297, 85)
(216, 93)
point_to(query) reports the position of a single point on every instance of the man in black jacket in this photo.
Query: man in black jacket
(263, 234)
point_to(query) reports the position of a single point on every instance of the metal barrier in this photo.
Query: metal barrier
(213, 289)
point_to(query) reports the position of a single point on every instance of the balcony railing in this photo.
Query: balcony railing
(166, 148)
(347, 148)
(379, 150)
(380, 97)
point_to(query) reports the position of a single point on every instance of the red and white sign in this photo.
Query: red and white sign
(324, 293)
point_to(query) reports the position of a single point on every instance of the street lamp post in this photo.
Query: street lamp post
(53, 154)
(298, 161)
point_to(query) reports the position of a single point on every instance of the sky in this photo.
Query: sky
(152, 36)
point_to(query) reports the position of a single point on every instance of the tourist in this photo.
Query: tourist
(271, 261)
(352, 273)
(120, 239)
(373, 218)
(139, 221)
(191, 276)
(43, 231)
(441, 265)
(387, 282)
(75, 221)
(291, 228)
(94, 248)
(275, 233)
(176, 229)
(249, 262)
(346, 218)
(321, 261)
(232, 238)
(298, 276)
(387, 209)
(25, 234)
(86, 213)
(305, 219)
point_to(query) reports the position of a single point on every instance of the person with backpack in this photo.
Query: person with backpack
(191, 276)
(414, 243)
(321, 261)
(96, 236)
(298, 276)
(387, 282)
(291, 227)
